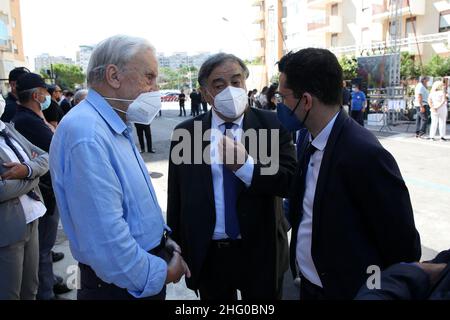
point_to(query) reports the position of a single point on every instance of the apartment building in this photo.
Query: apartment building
(354, 27)
(11, 43)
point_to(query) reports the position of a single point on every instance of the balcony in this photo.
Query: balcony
(259, 17)
(321, 4)
(381, 9)
(260, 53)
(260, 35)
(332, 24)
(256, 3)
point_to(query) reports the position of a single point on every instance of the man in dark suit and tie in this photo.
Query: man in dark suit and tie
(227, 217)
(350, 208)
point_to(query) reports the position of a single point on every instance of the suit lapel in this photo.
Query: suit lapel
(205, 169)
(324, 171)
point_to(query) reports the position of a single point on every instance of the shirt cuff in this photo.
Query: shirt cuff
(30, 171)
(245, 173)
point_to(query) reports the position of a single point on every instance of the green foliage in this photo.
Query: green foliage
(349, 67)
(179, 78)
(408, 67)
(438, 67)
(67, 76)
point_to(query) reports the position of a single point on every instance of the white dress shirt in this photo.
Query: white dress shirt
(33, 209)
(245, 173)
(304, 237)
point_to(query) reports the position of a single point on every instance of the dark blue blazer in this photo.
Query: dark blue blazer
(362, 214)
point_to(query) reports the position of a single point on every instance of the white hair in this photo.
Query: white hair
(79, 96)
(117, 50)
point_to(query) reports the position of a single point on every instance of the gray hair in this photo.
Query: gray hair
(216, 60)
(79, 96)
(117, 50)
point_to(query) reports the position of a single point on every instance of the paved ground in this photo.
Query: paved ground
(425, 165)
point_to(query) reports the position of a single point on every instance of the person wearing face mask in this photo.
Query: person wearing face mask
(358, 104)
(21, 205)
(30, 122)
(109, 208)
(226, 214)
(338, 232)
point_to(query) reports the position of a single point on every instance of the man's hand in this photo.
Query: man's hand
(232, 153)
(176, 268)
(173, 246)
(433, 270)
(16, 171)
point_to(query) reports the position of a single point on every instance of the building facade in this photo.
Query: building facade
(11, 42)
(182, 59)
(44, 62)
(83, 56)
(354, 27)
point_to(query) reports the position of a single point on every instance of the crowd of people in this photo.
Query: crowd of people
(226, 228)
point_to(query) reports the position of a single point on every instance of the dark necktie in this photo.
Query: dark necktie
(309, 151)
(230, 188)
(11, 145)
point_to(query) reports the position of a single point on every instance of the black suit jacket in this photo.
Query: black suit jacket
(191, 208)
(407, 282)
(362, 212)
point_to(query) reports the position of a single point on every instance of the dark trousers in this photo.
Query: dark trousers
(48, 228)
(142, 129)
(221, 275)
(93, 288)
(358, 116)
(182, 110)
(309, 291)
(421, 121)
(205, 107)
(195, 109)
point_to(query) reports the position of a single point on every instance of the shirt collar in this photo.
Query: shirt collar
(219, 121)
(320, 142)
(106, 111)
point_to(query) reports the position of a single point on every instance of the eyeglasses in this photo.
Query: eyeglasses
(281, 97)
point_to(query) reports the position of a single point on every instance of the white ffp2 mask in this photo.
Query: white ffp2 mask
(231, 102)
(144, 108)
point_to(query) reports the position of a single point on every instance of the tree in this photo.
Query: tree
(349, 67)
(438, 67)
(408, 67)
(67, 76)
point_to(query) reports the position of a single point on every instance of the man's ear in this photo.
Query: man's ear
(308, 101)
(112, 76)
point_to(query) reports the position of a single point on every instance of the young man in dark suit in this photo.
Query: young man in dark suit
(227, 217)
(347, 219)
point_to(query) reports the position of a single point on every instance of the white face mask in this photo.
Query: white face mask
(144, 109)
(2, 105)
(231, 102)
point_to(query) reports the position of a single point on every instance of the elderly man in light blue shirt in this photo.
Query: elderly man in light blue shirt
(107, 202)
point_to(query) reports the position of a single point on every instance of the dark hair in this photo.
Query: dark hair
(16, 73)
(313, 70)
(216, 60)
(264, 90)
(270, 94)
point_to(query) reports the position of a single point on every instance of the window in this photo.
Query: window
(334, 40)
(444, 21)
(13, 22)
(410, 26)
(334, 10)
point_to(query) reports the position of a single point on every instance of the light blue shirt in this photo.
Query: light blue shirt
(245, 173)
(107, 202)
